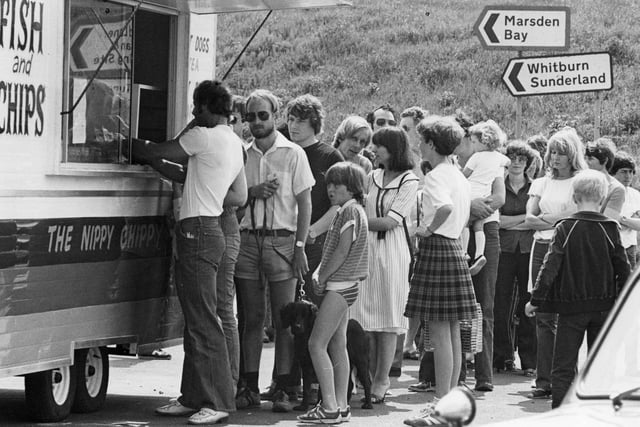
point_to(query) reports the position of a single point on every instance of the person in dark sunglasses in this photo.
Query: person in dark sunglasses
(272, 239)
(382, 116)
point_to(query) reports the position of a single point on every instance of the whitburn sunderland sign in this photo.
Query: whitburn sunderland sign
(540, 75)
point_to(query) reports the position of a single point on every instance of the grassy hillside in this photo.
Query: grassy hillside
(425, 53)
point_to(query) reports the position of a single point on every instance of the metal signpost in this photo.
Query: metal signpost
(520, 28)
(535, 28)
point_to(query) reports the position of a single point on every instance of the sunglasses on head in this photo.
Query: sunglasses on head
(262, 115)
(382, 122)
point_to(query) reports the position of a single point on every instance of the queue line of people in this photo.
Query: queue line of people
(284, 237)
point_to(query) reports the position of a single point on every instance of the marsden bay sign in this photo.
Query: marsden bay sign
(524, 27)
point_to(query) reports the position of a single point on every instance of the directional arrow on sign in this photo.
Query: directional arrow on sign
(90, 43)
(523, 27)
(76, 55)
(541, 75)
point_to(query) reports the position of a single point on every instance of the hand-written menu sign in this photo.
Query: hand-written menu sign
(22, 67)
(202, 50)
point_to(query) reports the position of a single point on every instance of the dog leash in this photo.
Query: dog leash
(301, 295)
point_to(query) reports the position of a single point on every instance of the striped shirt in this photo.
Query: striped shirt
(356, 265)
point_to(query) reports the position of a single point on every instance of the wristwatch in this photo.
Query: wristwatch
(299, 244)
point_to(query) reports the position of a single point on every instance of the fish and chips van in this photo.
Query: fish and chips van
(85, 235)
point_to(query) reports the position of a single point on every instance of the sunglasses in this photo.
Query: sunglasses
(232, 120)
(262, 115)
(383, 122)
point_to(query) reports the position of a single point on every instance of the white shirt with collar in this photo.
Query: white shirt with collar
(287, 162)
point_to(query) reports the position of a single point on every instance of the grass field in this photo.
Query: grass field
(425, 53)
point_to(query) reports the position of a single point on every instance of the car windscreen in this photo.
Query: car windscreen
(615, 365)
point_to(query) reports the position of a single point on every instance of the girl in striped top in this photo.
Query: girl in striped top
(344, 264)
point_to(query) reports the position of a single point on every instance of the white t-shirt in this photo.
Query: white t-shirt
(629, 208)
(556, 196)
(215, 160)
(446, 185)
(486, 166)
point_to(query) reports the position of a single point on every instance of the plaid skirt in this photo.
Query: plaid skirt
(441, 286)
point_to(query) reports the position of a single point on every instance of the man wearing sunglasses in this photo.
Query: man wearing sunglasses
(214, 178)
(381, 117)
(273, 233)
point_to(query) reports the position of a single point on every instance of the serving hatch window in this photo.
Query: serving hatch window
(116, 80)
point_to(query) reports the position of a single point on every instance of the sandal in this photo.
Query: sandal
(375, 398)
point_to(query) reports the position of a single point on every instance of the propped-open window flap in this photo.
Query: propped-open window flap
(227, 6)
(224, 6)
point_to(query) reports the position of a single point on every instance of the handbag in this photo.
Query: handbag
(412, 262)
(470, 334)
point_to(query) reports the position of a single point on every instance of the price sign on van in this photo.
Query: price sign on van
(523, 27)
(91, 43)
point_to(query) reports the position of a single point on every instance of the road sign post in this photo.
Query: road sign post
(524, 27)
(541, 75)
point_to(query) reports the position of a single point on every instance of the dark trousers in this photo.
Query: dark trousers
(427, 371)
(484, 285)
(206, 372)
(571, 330)
(546, 324)
(512, 327)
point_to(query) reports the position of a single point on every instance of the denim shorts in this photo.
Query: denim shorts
(269, 255)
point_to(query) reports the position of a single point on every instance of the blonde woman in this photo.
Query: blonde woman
(551, 199)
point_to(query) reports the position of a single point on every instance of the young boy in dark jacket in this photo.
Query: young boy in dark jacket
(581, 277)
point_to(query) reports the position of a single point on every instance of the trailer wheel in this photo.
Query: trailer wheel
(92, 373)
(49, 394)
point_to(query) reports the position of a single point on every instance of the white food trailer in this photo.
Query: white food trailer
(85, 247)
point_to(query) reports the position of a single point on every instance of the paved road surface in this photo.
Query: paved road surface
(137, 386)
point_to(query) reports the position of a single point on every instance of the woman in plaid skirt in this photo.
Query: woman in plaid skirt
(441, 291)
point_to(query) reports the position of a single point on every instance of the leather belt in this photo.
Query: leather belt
(270, 233)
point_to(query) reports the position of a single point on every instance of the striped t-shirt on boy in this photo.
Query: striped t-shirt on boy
(356, 265)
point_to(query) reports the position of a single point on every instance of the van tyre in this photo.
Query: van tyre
(92, 376)
(49, 394)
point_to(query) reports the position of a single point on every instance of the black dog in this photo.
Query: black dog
(358, 349)
(300, 317)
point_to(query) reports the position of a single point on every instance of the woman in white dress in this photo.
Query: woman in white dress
(392, 191)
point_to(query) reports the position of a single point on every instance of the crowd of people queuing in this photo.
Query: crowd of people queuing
(407, 223)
